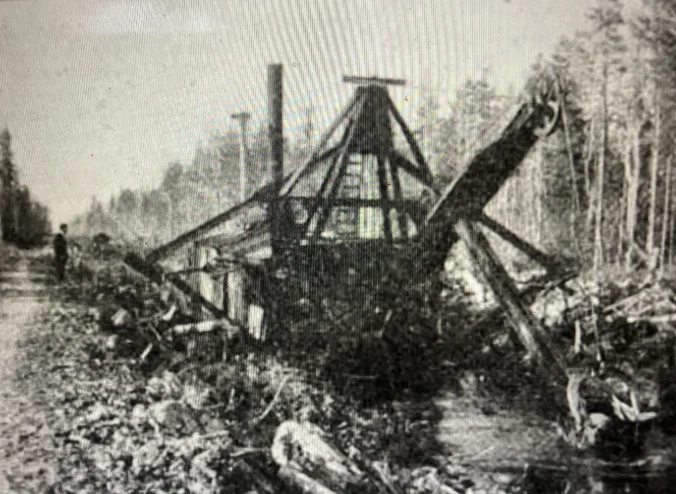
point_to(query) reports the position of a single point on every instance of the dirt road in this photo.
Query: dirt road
(21, 295)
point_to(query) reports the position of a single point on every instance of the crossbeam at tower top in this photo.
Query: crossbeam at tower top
(373, 81)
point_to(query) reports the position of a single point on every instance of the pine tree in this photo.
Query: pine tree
(8, 177)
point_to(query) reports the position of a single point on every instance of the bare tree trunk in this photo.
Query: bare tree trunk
(634, 124)
(538, 194)
(671, 239)
(620, 227)
(630, 167)
(601, 165)
(587, 177)
(654, 162)
(666, 214)
(577, 208)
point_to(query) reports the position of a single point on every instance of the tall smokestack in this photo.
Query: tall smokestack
(276, 132)
(243, 118)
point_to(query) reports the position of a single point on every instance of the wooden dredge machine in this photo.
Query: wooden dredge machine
(360, 220)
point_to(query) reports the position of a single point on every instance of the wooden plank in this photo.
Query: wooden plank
(195, 280)
(237, 297)
(525, 325)
(527, 248)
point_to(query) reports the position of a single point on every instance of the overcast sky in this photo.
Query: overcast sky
(101, 95)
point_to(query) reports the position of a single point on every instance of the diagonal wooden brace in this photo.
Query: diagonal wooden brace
(526, 326)
(545, 260)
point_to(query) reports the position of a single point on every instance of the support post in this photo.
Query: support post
(237, 297)
(276, 135)
(243, 119)
(524, 324)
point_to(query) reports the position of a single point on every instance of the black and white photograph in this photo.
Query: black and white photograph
(337, 247)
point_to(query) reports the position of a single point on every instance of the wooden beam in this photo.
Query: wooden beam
(376, 81)
(384, 198)
(526, 327)
(243, 118)
(401, 161)
(342, 167)
(357, 202)
(182, 290)
(426, 173)
(303, 169)
(485, 174)
(179, 283)
(195, 233)
(317, 200)
(527, 248)
(398, 199)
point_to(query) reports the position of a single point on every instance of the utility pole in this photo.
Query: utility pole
(243, 118)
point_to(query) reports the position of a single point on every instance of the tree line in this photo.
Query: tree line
(600, 189)
(23, 220)
(189, 193)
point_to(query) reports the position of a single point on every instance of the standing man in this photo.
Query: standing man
(61, 251)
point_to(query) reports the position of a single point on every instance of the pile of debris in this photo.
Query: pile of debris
(141, 397)
(618, 340)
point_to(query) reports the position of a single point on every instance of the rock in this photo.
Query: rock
(167, 386)
(196, 395)
(469, 383)
(598, 420)
(94, 314)
(101, 459)
(302, 451)
(97, 413)
(121, 318)
(146, 456)
(111, 342)
(155, 387)
(139, 413)
(205, 346)
(551, 307)
(169, 413)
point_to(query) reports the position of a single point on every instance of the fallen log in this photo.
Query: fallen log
(301, 448)
(664, 318)
(205, 326)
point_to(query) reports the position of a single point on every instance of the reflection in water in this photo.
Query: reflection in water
(614, 480)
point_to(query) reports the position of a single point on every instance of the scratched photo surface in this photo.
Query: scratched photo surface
(327, 247)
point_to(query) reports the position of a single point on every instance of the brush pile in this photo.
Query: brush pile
(617, 336)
